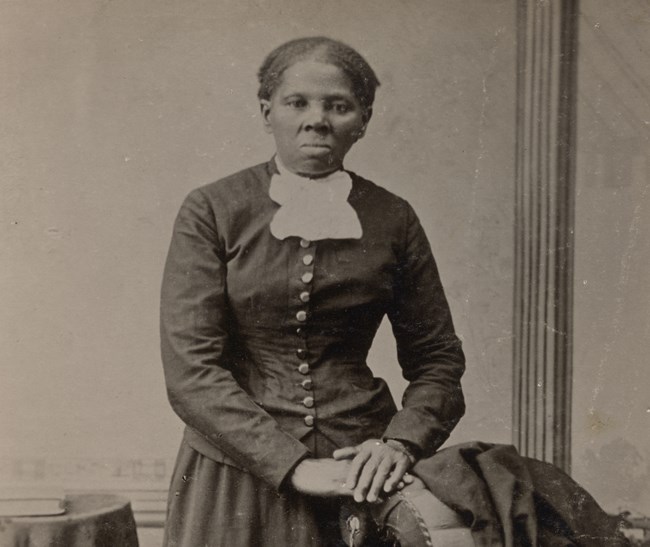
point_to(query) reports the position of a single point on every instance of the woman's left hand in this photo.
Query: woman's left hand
(375, 467)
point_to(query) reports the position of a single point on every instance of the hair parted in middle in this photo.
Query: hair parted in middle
(320, 48)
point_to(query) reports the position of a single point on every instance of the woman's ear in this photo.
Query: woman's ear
(367, 114)
(265, 109)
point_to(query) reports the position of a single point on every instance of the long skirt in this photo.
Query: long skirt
(212, 504)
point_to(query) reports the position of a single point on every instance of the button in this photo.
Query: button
(309, 421)
(304, 243)
(307, 259)
(308, 402)
(301, 353)
(307, 277)
(301, 315)
(304, 296)
(307, 383)
(303, 368)
(301, 332)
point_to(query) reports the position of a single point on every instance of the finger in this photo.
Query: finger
(355, 468)
(397, 474)
(406, 480)
(378, 480)
(346, 453)
(366, 477)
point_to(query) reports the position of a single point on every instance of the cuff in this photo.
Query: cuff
(405, 448)
(420, 430)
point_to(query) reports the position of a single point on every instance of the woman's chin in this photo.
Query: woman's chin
(316, 165)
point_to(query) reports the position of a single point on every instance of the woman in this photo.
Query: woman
(276, 281)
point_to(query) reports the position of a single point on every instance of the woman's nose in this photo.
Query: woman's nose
(317, 118)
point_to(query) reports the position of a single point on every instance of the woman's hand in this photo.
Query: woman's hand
(375, 467)
(321, 477)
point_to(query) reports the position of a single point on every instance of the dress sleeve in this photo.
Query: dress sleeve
(428, 349)
(194, 345)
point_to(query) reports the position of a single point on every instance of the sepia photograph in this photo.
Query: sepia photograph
(367, 273)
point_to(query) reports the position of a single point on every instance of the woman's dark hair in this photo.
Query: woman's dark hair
(363, 78)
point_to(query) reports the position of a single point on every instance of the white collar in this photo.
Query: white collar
(313, 209)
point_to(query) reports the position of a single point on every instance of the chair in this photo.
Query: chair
(412, 517)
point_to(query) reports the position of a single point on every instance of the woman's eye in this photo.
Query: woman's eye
(341, 108)
(297, 103)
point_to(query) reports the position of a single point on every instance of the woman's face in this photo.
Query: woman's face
(314, 117)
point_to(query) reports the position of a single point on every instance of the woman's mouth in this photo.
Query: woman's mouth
(315, 145)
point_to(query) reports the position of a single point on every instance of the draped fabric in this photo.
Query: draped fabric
(511, 501)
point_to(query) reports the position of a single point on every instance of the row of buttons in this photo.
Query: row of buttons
(302, 315)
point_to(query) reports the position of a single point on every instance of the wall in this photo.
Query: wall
(113, 110)
(611, 407)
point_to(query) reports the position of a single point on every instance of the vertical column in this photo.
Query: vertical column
(544, 219)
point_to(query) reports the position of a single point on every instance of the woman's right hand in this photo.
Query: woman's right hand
(326, 477)
(321, 477)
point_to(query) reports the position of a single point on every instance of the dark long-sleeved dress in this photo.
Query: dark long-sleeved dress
(264, 346)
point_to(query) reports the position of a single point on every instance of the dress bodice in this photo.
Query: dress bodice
(281, 329)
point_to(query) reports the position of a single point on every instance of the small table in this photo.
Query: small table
(90, 520)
